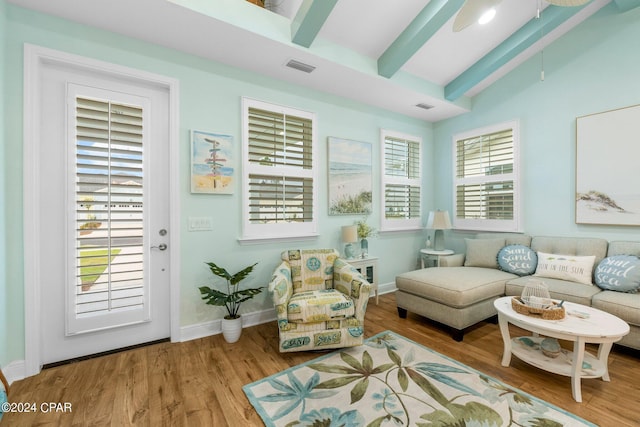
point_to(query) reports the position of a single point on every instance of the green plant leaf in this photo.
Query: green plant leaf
(333, 369)
(240, 275)
(358, 392)
(382, 368)
(218, 271)
(337, 382)
(394, 357)
(427, 387)
(351, 361)
(403, 380)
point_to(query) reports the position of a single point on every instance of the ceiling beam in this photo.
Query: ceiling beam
(310, 18)
(626, 5)
(434, 15)
(531, 32)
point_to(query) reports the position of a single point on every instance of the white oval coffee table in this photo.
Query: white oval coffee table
(596, 327)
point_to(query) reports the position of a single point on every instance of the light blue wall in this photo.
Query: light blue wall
(4, 352)
(210, 95)
(593, 68)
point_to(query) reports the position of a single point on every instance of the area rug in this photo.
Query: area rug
(393, 381)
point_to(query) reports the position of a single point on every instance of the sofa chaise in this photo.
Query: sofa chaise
(461, 291)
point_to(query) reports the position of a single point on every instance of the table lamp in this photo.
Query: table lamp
(438, 221)
(349, 236)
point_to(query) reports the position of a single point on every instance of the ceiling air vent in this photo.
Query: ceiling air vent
(424, 106)
(300, 66)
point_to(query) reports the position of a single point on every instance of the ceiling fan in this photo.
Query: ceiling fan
(473, 10)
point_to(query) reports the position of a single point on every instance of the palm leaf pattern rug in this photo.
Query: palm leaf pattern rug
(393, 381)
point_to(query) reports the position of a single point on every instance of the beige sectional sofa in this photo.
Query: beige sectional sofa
(460, 293)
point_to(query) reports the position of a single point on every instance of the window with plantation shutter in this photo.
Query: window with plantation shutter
(279, 171)
(401, 181)
(108, 225)
(486, 179)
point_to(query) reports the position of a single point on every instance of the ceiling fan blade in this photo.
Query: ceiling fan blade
(471, 11)
(568, 3)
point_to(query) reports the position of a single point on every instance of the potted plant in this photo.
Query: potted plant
(231, 299)
(365, 231)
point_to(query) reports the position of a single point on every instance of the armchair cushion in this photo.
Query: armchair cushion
(319, 306)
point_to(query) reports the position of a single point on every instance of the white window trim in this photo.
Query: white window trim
(387, 225)
(514, 225)
(253, 233)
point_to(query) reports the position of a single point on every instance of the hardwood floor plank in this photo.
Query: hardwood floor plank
(199, 382)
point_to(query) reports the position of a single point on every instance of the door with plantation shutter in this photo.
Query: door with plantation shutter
(107, 240)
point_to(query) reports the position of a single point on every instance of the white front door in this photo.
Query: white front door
(104, 238)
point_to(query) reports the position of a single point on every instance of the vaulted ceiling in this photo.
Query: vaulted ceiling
(389, 54)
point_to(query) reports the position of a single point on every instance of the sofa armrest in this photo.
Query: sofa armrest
(348, 280)
(455, 260)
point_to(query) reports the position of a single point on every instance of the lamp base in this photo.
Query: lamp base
(438, 240)
(349, 252)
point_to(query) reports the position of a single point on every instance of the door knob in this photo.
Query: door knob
(161, 246)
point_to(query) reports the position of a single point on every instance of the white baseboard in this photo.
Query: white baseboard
(387, 288)
(15, 371)
(201, 330)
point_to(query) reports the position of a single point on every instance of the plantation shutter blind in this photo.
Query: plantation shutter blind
(484, 172)
(280, 155)
(109, 207)
(402, 178)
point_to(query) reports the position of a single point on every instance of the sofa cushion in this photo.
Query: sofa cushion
(517, 259)
(625, 306)
(319, 306)
(454, 286)
(567, 267)
(571, 246)
(483, 252)
(619, 273)
(558, 289)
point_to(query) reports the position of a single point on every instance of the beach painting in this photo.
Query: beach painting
(607, 172)
(211, 163)
(350, 177)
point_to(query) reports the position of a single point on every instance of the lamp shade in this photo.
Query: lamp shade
(439, 220)
(349, 233)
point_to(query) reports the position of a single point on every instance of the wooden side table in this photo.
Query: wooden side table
(433, 257)
(369, 269)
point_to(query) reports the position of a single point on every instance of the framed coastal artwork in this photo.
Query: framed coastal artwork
(211, 163)
(350, 177)
(607, 172)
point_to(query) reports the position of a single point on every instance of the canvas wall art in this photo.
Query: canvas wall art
(350, 177)
(212, 169)
(607, 172)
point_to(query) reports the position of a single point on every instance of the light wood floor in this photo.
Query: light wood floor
(198, 383)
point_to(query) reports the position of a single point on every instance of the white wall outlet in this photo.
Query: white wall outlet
(200, 223)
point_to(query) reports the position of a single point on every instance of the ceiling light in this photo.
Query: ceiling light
(487, 16)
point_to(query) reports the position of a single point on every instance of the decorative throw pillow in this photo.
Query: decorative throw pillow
(619, 273)
(517, 259)
(482, 252)
(566, 267)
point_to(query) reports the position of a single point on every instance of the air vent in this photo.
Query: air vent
(300, 66)
(424, 106)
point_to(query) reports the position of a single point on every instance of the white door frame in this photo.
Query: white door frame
(34, 58)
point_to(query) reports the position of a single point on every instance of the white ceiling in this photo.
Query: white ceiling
(345, 51)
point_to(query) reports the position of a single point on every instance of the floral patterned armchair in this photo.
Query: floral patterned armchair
(320, 301)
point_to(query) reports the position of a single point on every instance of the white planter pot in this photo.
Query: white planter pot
(231, 329)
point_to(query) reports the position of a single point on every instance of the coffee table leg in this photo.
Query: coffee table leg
(576, 369)
(506, 338)
(603, 356)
